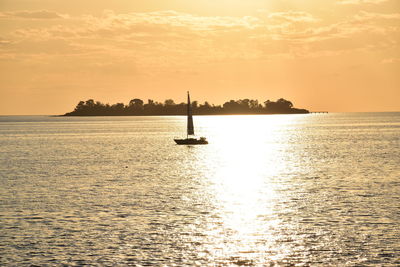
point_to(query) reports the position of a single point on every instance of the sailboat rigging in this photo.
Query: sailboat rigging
(190, 129)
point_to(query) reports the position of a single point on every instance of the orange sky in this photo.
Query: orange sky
(334, 55)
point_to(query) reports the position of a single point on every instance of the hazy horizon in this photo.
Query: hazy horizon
(338, 112)
(335, 55)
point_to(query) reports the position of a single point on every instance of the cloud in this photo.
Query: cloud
(390, 60)
(362, 32)
(293, 16)
(165, 38)
(363, 15)
(168, 20)
(4, 42)
(359, 2)
(38, 14)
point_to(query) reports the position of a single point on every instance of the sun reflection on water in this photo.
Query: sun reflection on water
(242, 184)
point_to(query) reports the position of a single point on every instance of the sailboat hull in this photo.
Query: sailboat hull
(191, 141)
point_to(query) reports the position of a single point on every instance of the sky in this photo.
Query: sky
(330, 55)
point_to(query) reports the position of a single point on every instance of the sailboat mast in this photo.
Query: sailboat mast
(190, 127)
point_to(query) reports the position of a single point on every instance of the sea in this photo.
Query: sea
(268, 190)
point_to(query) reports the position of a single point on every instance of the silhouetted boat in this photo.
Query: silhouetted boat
(190, 130)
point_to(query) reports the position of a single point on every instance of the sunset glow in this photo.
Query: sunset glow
(334, 55)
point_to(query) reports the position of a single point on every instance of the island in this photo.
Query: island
(137, 107)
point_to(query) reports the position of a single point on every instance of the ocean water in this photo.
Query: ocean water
(284, 190)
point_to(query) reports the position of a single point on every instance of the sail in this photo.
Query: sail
(190, 128)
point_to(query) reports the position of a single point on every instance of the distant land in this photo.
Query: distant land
(137, 107)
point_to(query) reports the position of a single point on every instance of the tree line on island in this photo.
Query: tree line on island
(137, 107)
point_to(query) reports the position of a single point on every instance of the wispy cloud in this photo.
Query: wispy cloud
(35, 14)
(363, 15)
(358, 2)
(390, 60)
(293, 16)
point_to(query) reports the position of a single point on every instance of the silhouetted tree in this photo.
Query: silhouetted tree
(280, 106)
(89, 103)
(135, 107)
(80, 106)
(137, 103)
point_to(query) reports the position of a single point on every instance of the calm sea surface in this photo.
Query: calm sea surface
(318, 189)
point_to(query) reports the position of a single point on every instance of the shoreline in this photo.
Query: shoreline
(162, 115)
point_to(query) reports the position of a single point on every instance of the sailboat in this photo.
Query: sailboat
(190, 139)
